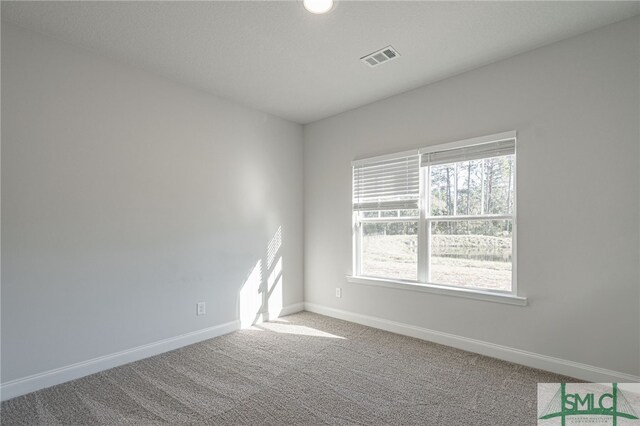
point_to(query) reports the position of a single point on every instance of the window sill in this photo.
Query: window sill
(488, 296)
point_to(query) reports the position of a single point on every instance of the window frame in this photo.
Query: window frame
(425, 219)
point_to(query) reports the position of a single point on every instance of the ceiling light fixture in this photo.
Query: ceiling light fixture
(318, 6)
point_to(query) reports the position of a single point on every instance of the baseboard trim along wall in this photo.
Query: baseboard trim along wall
(60, 375)
(287, 310)
(529, 359)
(75, 371)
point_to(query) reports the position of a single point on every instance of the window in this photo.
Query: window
(441, 216)
(386, 197)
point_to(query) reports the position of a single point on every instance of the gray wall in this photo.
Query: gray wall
(126, 199)
(575, 105)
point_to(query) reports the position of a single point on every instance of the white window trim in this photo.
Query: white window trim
(422, 285)
(479, 294)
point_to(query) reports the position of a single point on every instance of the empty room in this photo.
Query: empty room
(320, 212)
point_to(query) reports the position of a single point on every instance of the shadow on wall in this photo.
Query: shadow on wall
(261, 299)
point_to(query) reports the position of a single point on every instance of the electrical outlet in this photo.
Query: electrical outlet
(200, 308)
(338, 292)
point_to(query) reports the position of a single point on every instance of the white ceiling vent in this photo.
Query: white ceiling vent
(385, 54)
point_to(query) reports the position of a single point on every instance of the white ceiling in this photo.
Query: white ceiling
(278, 58)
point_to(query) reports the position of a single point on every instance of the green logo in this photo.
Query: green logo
(612, 404)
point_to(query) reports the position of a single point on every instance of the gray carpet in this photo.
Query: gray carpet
(303, 369)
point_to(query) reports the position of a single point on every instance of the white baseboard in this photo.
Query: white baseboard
(56, 376)
(529, 359)
(288, 310)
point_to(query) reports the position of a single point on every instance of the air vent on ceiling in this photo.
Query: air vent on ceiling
(385, 54)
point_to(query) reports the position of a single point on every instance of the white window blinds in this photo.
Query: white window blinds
(468, 153)
(387, 184)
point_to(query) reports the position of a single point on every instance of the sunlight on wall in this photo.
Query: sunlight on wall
(258, 299)
(251, 297)
(274, 246)
(273, 296)
(274, 292)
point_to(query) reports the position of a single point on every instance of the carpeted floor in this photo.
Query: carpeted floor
(302, 369)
